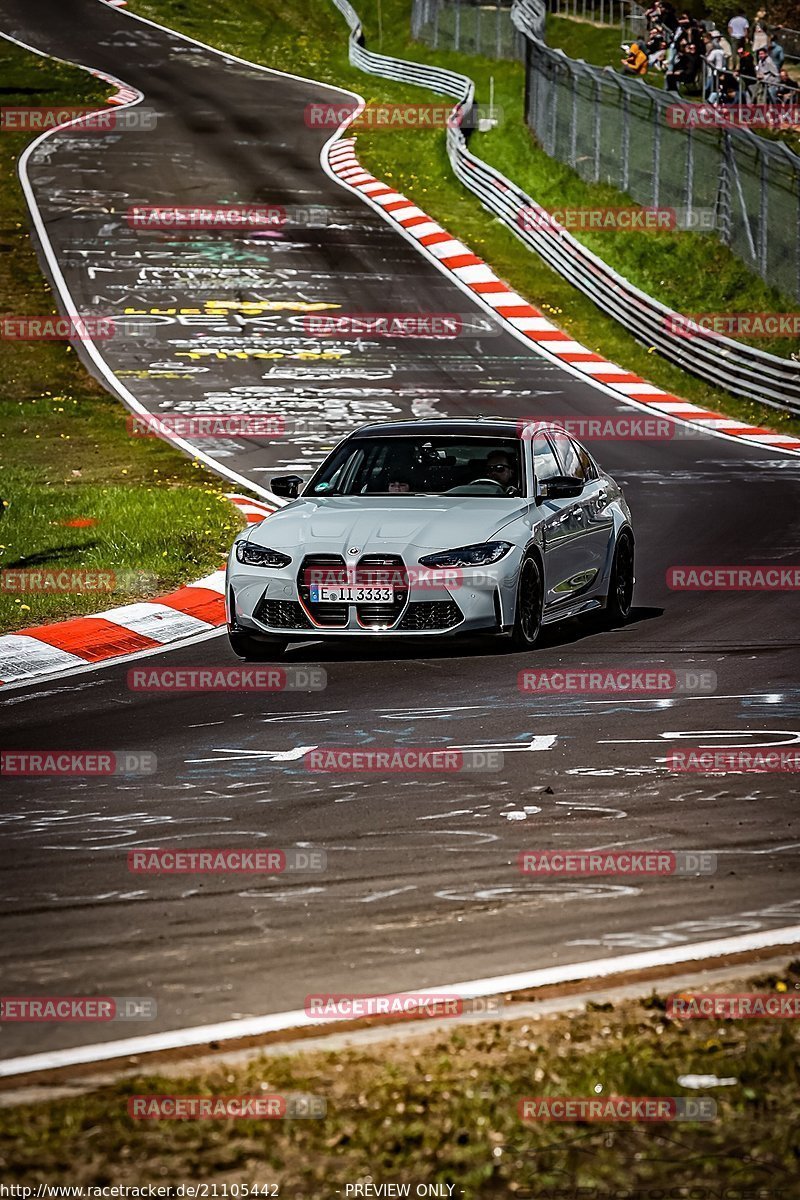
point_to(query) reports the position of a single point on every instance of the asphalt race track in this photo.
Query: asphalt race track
(422, 885)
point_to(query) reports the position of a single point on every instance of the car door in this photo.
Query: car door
(593, 520)
(561, 518)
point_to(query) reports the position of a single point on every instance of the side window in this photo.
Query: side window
(574, 459)
(545, 464)
(589, 469)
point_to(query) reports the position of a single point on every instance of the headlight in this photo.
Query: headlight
(479, 555)
(260, 556)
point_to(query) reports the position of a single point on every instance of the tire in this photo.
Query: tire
(528, 612)
(251, 649)
(620, 590)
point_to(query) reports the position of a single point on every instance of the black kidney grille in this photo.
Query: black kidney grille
(328, 569)
(431, 614)
(282, 614)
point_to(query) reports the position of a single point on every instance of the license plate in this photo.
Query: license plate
(345, 594)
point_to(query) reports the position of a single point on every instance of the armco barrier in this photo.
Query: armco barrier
(722, 362)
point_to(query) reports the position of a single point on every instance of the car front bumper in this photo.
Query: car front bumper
(269, 601)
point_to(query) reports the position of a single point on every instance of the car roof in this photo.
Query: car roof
(475, 426)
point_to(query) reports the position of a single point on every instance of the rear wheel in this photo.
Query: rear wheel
(252, 649)
(620, 591)
(528, 615)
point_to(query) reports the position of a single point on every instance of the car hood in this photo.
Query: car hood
(334, 524)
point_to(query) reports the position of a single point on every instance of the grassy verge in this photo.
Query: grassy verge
(77, 491)
(443, 1109)
(690, 272)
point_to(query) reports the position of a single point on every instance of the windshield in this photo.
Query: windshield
(422, 465)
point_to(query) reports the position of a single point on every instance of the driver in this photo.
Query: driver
(500, 467)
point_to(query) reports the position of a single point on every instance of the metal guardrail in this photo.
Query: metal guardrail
(790, 40)
(722, 362)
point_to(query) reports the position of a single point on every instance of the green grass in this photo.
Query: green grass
(691, 272)
(443, 1109)
(64, 441)
(600, 45)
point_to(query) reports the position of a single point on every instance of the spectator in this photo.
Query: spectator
(668, 18)
(776, 51)
(747, 75)
(684, 68)
(716, 62)
(760, 34)
(696, 37)
(656, 51)
(727, 90)
(680, 35)
(635, 62)
(725, 44)
(768, 77)
(738, 28)
(786, 91)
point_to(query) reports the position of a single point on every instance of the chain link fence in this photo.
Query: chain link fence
(467, 26)
(619, 131)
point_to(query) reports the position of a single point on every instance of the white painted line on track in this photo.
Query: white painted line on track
(248, 1027)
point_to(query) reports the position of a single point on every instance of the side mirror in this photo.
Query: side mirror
(560, 487)
(287, 485)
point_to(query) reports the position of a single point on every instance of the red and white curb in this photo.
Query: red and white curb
(197, 608)
(474, 275)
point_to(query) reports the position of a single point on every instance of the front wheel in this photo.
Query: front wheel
(252, 650)
(528, 615)
(620, 591)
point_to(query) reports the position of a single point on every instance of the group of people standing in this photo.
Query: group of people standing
(744, 66)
